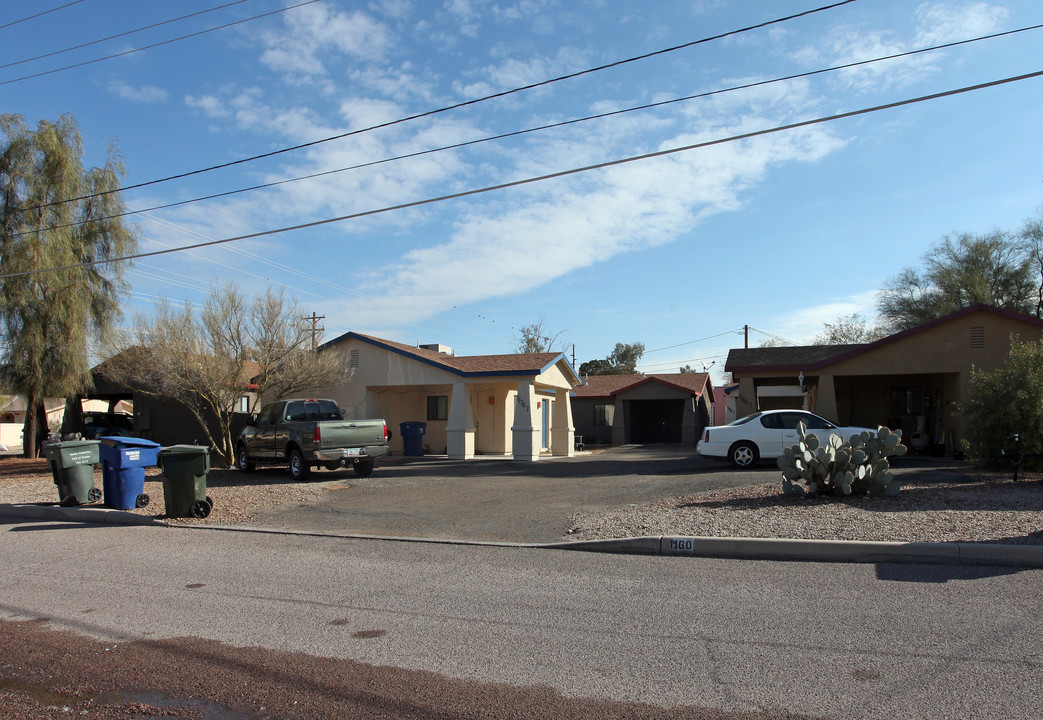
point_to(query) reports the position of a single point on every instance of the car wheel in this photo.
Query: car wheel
(299, 469)
(743, 454)
(363, 468)
(243, 461)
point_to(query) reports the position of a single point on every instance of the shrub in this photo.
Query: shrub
(1006, 402)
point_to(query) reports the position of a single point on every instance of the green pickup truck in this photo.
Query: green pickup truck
(306, 433)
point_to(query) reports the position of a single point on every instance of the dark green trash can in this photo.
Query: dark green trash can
(72, 466)
(185, 468)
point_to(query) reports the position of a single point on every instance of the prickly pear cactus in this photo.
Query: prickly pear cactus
(841, 467)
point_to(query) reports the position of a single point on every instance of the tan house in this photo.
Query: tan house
(622, 409)
(513, 405)
(914, 380)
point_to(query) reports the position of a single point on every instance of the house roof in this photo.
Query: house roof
(605, 386)
(814, 357)
(467, 365)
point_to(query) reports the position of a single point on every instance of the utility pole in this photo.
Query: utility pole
(315, 329)
(746, 337)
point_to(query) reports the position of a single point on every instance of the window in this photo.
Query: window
(905, 401)
(438, 407)
(244, 404)
(604, 414)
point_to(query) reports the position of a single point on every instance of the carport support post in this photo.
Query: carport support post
(563, 433)
(525, 434)
(460, 429)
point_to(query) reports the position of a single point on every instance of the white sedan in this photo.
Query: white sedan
(765, 435)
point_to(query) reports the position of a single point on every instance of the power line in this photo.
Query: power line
(564, 123)
(122, 34)
(40, 14)
(150, 47)
(693, 342)
(447, 108)
(550, 176)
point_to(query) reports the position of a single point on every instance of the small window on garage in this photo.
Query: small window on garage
(977, 338)
(604, 414)
(438, 407)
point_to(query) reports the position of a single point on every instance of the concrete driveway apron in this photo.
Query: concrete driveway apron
(499, 500)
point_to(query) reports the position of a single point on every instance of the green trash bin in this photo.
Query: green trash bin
(72, 466)
(185, 468)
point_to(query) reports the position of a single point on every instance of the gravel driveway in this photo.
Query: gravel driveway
(619, 492)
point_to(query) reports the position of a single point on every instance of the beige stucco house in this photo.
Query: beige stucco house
(914, 380)
(513, 405)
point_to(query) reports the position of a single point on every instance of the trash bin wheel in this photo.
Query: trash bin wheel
(363, 468)
(200, 509)
(69, 501)
(210, 501)
(141, 501)
(93, 495)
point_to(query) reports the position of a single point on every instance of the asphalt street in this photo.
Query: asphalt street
(827, 640)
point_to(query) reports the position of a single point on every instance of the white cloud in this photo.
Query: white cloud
(526, 238)
(513, 73)
(142, 94)
(803, 324)
(945, 22)
(314, 31)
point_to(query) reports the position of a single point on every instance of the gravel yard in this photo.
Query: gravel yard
(933, 506)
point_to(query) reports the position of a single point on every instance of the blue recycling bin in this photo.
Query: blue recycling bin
(123, 463)
(413, 438)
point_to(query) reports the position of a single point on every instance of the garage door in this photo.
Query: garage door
(656, 421)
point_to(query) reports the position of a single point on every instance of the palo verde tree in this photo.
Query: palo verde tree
(60, 226)
(207, 360)
(622, 360)
(995, 269)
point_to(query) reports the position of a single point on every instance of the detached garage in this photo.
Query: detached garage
(642, 409)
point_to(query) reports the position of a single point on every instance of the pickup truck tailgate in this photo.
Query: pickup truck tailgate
(349, 433)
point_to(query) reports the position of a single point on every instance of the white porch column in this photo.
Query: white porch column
(525, 432)
(460, 428)
(563, 433)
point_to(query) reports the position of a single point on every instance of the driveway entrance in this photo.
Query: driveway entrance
(499, 500)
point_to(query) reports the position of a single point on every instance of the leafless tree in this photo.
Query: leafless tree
(208, 360)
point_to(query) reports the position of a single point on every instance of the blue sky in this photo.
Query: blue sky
(781, 232)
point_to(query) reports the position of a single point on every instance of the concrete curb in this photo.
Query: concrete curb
(1030, 556)
(1027, 556)
(94, 514)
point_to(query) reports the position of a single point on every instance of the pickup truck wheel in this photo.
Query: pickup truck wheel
(299, 469)
(363, 468)
(242, 460)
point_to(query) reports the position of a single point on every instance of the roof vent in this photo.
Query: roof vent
(444, 349)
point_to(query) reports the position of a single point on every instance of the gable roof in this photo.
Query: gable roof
(605, 386)
(467, 365)
(815, 357)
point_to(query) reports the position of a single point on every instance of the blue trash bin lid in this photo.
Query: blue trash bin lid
(119, 440)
